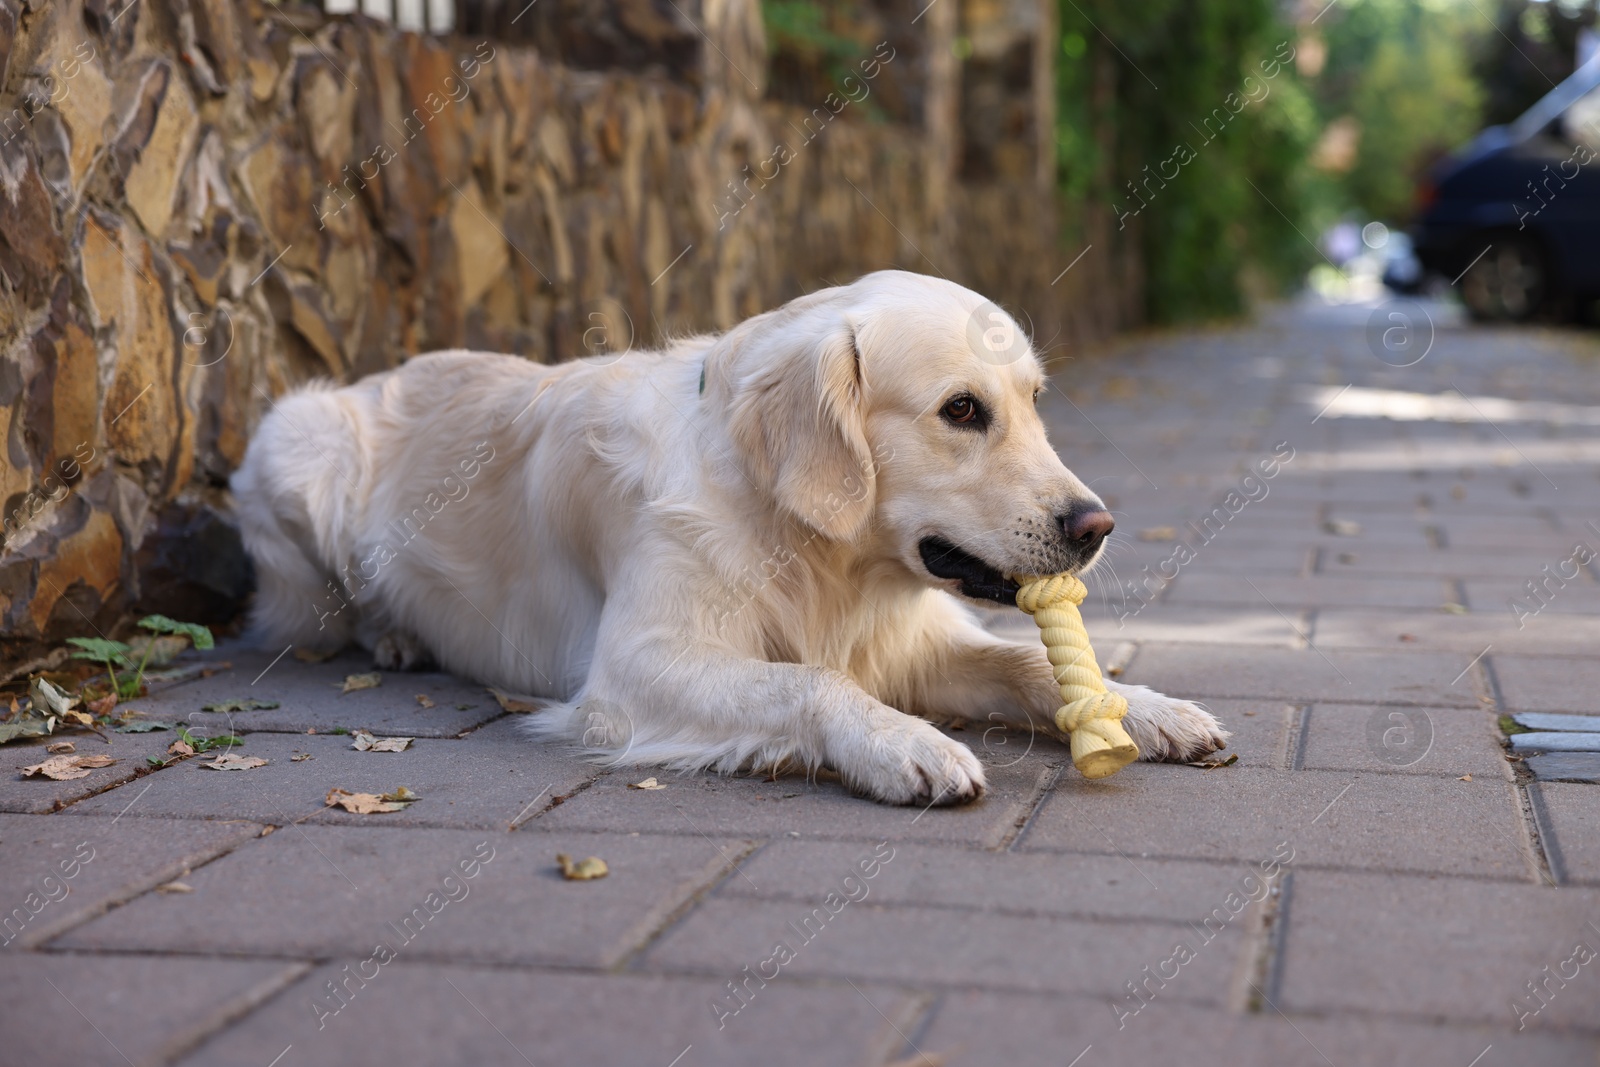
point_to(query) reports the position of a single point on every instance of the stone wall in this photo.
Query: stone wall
(206, 202)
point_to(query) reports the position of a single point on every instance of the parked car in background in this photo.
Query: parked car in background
(1515, 215)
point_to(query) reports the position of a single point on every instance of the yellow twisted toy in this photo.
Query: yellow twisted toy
(1091, 714)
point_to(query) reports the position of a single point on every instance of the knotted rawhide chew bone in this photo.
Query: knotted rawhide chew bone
(1090, 714)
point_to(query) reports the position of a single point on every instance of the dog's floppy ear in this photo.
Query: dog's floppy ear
(796, 413)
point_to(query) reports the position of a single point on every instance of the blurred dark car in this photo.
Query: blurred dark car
(1515, 215)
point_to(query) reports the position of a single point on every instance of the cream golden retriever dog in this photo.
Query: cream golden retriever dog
(742, 551)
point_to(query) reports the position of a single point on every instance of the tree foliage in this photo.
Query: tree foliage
(1400, 72)
(1206, 90)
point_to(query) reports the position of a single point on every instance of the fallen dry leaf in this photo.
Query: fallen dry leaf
(300, 758)
(61, 747)
(175, 887)
(1465, 778)
(26, 726)
(584, 870)
(365, 742)
(353, 682)
(512, 702)
(234, 763)
(425, 701)
(80, 718)
(1213, 764)
(104, 705)
(369, 803)
(648, 783)
(180, 748)
(65, 768)
(1158, 533)
(47, 699)
(311, 655)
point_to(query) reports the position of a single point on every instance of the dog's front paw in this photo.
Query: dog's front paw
(1166, 728)
(906, 761)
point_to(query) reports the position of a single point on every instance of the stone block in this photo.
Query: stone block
(116, 1010)
(62, 872)
(1385, 822)
(1437, 948)
(321, 891)
(491, 1015)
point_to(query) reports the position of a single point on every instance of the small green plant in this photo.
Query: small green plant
(112, 654)
(115, 654)
(206, 744)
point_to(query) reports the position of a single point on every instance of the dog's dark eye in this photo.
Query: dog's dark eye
(961, 410)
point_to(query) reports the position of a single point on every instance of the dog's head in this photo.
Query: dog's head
(898, 413)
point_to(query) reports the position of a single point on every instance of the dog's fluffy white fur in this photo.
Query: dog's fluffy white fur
(708, 556)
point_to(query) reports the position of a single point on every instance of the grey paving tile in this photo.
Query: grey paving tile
(758, 807)
(939, 947)
(1310, 674)
(309, 696)
(1540, 683)
(1499, 561)
(1435, 948)
(1490, 531)
(38, 794)
(116, 1010)
(1131, 619)
(1071, 886)
(1490, 594)
(1566, 767)
(484, 780)
(1393, 822)
(1356, 737)
(1541, 635)
(315, 891)
(436, 1014)
(1570, 817)
(1266, 591)
(56, 872)
(1218, 554)
(978, 1029)
(1258, 732)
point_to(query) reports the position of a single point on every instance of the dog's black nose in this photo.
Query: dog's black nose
(1086, 528)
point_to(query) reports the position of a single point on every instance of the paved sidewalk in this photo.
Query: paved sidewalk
(1373, 882)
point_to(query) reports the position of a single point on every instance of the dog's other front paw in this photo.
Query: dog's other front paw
(399, 651)
(907, 761)
(1166, 728)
